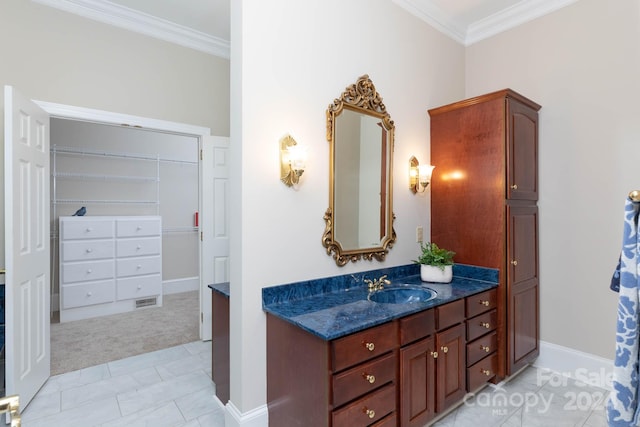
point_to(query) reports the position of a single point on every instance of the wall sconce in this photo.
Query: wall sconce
(419, 175)
(292, 161)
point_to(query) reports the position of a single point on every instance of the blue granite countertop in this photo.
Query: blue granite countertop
(338, 306)
(221, 288)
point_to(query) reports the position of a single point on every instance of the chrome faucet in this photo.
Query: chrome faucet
(377, 284)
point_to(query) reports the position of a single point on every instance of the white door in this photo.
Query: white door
(214, 223)
(26, 215)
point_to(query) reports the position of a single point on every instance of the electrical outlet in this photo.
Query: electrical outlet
(419, 234)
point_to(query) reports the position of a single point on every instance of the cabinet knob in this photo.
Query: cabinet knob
(486, 372)
(139, 287)
(89, 294)
(370, 378)
(139, 228)
(444, 349)
(89, 271)
(370, 346)
(369, 412)
(434, 354)
(514, 262)
(139, 247)
(484, 302)
(139, 266)
(89, 229)
(486, 348)
(514, 186)
(485, 325)
(89, 250)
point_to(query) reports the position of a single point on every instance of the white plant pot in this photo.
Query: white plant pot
(429, 273)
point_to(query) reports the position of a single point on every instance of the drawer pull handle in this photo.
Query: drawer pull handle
(89, 271)
(485, 325)
(444, 349)
(369, 412)
(484, 302)
(514, 187)
(89, 250)
(89, 294)
(486, 348)
(486, 372)
(370, 346)
(370, 378)
(514, 262)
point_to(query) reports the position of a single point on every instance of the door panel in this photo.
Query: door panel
(27, 251)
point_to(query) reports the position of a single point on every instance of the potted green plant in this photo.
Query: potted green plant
(436, 264)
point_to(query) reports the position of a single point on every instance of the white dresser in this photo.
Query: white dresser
(109, 264)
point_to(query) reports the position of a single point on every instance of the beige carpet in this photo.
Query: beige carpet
(79, 344)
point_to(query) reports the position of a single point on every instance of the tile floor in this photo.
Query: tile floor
(173, 387)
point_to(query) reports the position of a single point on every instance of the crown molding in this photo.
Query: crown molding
(524, 11)
(129, 19)
(511, 17)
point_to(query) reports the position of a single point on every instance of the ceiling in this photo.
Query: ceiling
(204, 24)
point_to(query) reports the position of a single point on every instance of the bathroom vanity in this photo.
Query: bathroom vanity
(335, 358)
(220, 330)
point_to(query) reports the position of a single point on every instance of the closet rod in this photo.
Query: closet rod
(635, 196)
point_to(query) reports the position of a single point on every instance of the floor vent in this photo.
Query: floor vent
(145, 302)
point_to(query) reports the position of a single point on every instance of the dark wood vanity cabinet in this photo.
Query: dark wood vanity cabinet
(484, 192)
(220, 356)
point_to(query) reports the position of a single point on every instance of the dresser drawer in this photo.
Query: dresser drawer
(86, 250)
(481, 347)
(138, 227)
(449, 314)
(482, 372)
(368, 376)
(364, 412)
(137, 247)
(138, 287)
(139, 266)
(482, 324)
(83, 228)
(88, 294)
(479, 303)
(389, 421)
(364, 345)
(417, 326)
(87, 271)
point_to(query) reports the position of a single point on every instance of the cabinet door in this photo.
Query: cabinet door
(451, 367)
(522, 286)
(417, 383)
(522, 151)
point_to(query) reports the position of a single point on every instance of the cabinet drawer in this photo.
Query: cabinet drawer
(139, 266)
(482, 372)
(449, 314)
(481, 347)
(417, 326)
(138, 227)
(388, 421)
(139, 287)
(86, 250)
(82, 228)
(357, 381)
(137, 247)
(364, 345)
(482, 324)
(481, 302)
(87, 294)
(86, 271)
(364, 412)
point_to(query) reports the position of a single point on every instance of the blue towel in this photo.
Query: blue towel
(622, 407)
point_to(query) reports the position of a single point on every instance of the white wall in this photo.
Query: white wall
(582, 64)
(289, 61)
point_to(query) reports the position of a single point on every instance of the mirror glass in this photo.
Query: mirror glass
(359, 221)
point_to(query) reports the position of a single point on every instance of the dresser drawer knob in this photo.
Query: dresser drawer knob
(89, 250)
(139, 247)
(370, 346)
(514, 187)
(139, 266)
(89, 271)
(486, 348)
(89, 294)
(485, 303)
(370, 378)
(434, 354)
(139, 287)
(444, 349)
(486, 372)
(89, 229)
(139, 228)
(514, 262)
(485, 325)
(369, 412)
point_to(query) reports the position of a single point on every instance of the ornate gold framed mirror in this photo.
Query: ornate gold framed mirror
(359, 220)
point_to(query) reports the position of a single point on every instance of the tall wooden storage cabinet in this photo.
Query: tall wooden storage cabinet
(484, 194)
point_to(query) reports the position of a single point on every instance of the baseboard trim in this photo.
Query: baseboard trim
(585, 367)
(184, 284)
(257, 417)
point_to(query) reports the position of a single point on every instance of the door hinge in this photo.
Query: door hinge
(201, 154)
(201, 317)
(201, 237)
